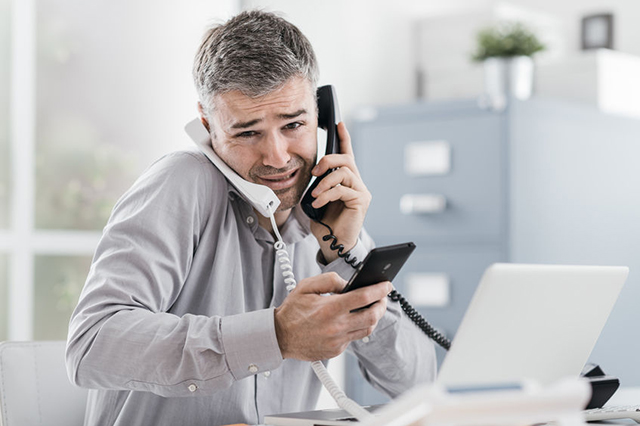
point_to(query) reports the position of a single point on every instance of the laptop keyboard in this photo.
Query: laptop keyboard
(613, 412)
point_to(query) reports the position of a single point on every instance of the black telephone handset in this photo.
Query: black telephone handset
(328, 119)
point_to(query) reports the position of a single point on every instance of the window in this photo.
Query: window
(86, 154)
(90, 95)
(5, 48)
(5, 95)
(4, 329)
(58, 283)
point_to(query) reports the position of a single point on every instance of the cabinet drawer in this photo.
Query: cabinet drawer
(462, 269)
(474, 187)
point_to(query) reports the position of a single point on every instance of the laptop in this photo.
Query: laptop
(536, 322)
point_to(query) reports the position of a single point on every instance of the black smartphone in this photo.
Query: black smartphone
(381, 264)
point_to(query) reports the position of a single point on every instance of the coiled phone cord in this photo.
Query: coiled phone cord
(323, 375)
(420, 321)
(413, 315)
(339, 247)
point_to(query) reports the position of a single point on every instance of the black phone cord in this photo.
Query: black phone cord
(339, 247)
(413, 315)
(419, 320)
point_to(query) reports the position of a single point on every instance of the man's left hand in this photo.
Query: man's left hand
(346, 194)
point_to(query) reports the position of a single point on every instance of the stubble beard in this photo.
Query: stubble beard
(290, 197)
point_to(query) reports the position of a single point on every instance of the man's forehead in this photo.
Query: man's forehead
(294, 98)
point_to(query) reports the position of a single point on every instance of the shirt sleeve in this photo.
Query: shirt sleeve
(397, 355)
(122, 335)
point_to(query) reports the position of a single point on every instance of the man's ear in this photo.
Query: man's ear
(204, 120)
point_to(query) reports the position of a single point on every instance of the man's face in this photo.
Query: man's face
(269, 140)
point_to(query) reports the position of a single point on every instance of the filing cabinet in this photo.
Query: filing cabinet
(472, 188)
(457, 235)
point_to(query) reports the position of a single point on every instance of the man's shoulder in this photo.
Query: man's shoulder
(187, 158)
(180, 178)
(190, 166)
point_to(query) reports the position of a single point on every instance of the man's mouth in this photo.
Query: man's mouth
(279, 181)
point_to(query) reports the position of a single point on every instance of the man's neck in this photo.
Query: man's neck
(280, 217)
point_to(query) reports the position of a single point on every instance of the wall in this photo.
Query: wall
(576, 175)
(367, 47)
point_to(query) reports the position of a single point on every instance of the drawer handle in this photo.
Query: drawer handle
(423, 203)
(428, 289)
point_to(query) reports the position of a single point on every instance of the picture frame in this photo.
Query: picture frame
(597, 31)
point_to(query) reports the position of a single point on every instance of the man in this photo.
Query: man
(184, 320)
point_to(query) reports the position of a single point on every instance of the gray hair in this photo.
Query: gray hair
(255, 52)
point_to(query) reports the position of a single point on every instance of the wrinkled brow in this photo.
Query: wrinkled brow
(246, 124)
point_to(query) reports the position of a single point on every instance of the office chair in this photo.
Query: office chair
(34, 388)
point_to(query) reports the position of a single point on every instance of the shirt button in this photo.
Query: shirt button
(250, 220)
(267, 374)
(253, 368)
(365, 339)
(192, 387)
(232, 196)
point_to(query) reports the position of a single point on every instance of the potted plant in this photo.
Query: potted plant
(506, 52)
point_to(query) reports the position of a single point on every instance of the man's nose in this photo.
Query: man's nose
(276, 151)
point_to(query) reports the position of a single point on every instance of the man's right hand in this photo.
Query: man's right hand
(311, 325)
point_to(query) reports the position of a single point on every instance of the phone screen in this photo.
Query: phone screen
(381, 264)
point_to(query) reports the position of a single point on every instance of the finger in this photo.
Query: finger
(342, 193)
(345, 139)
(376, 291)
(360, 334)
(368, 316)
(342, 177)
(366, 295)
(367, 319)
(351, 198)
(334, 161)
(361, 320)
(329, 282)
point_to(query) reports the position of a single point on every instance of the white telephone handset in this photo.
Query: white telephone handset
(261, 197)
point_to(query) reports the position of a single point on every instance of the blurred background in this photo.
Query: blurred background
(92, 92)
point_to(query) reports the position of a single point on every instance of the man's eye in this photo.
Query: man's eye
(293, 126)
(247, 134)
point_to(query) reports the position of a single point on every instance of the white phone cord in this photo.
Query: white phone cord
(332, 387)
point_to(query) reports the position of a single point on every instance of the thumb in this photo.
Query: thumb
(329, 282)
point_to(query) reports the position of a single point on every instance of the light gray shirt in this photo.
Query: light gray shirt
(175, 324)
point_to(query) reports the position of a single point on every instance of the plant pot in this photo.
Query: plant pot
(505, 78)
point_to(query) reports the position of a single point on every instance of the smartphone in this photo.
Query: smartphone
(381, 264)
